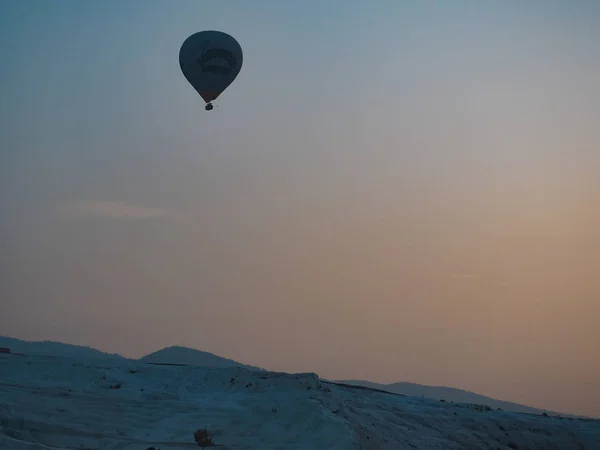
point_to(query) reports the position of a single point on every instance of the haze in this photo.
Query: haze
(395, 191)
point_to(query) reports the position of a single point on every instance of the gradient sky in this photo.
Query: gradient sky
(391, 190)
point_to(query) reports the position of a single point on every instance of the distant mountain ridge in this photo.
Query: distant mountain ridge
(168, 355)
(449, 394)
(54, 348)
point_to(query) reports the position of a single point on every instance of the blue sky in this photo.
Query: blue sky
(389, 191)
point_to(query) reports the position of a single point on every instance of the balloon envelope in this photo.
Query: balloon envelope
(210, 61)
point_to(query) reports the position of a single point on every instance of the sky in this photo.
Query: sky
(389, 191)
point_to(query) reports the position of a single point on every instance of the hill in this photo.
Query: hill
(177, 355)
(55, 349)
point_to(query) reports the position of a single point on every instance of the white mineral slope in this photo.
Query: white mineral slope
(63, 403)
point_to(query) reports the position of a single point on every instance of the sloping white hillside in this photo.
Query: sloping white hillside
(450, 395)
(174, 355)
(55, 403)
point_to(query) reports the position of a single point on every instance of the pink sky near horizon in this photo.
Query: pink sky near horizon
(427, 209)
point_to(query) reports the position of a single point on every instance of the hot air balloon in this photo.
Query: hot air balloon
(210, 61)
